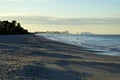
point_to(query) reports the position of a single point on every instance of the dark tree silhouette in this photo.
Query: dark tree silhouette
(14, 23)
(13, 27)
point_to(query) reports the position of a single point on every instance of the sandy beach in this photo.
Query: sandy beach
(29, 57)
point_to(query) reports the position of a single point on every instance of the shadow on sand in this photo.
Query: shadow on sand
(42, 73)
(109, 67)
(54, 55)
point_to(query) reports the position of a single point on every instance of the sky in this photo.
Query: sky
(96, 16)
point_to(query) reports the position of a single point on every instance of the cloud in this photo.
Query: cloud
(10, 0)
(42, 0)
(32, 19)
(24, 0)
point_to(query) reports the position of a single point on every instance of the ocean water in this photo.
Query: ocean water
(101, 44)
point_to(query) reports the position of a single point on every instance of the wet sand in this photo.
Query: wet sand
(29, 57)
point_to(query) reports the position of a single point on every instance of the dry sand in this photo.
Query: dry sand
(28, 57)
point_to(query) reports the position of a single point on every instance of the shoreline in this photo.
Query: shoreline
(36, 58)
(98, 52)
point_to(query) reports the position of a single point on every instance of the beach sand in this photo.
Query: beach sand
(29, 57)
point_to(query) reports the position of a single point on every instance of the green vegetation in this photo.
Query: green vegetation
(13, 27)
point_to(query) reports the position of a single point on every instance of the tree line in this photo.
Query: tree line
(13, 27)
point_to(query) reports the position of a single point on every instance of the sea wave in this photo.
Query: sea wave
(107, 44)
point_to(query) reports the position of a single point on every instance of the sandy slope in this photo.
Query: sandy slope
(28, 57)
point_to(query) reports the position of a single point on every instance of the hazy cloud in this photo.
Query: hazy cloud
(71, 21)
(62, 21)
(23, 0)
